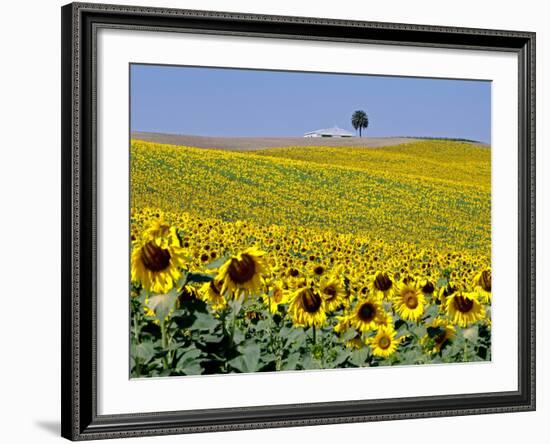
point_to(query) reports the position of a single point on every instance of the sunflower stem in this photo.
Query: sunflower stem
(314, 335)
(137, 367)
(234, 314)
(271, 321)
(164, 336)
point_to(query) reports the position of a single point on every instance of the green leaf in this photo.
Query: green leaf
(267, 358)
(188, 361)
(349, 334)
(249, 360)
(236, 305)
(291, 362)
(199, 277)
(341, 357)
(144, 352)
(359, 357)
(188, 354)
(210, 338)
(400, 323)
(238, 337)
(471, 334)
(204, 322)
(217, 263)
(162, 304)
(294, 338)
(310, 363)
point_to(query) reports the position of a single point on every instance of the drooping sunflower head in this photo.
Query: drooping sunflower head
(482, 283)
(444, 293)
(355, 343)
(241, 274)
(342, 324)
(157, 261)
(427, 286)
(384, 344)
(162, 233)
(440, 333)
(464, 309)
(409, 301)
(332, 292)
(211, 293)
(187, 293)
(307, 307)
(381, 284)
(368, 314)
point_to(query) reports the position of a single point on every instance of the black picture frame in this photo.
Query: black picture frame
(80, 22)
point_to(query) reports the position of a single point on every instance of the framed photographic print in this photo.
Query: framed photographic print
(275, 221)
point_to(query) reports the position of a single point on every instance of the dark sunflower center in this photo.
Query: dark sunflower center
(154, 258)
(428, 288)
(440, 339)
(463, 304)
(384, 342)
(311, 301)
(187, 294)
(410, 299)
(241, 271)
(485, 280)
(449, 290)
(330, 291)
(319, 270)
(367, 312)
(382, 282)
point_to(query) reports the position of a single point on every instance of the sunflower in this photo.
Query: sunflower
(464, 308)
(444, 293)
(355, 343)
(443, 333)
(384, 343)
(482, 284)
(368, 315)
(342, 324)
(317, 269)
(427, 286)
(242, 274)
(381, 284)
(210, 292)
(187, 293)
(157, 258)
(307, 307)
(409, 301)
(332, 292)
(278, 297)
(159, 229)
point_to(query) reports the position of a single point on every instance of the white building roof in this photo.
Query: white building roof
(334, 131)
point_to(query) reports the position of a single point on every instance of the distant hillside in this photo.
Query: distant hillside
(428, 192)
(451, 139)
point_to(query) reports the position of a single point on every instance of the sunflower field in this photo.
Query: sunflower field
(308, 257)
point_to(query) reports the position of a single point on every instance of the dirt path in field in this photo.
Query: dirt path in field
(257, 143)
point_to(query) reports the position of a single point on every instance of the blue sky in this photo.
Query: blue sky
(237, 102)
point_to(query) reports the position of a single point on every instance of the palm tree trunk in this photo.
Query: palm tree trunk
(359, 131)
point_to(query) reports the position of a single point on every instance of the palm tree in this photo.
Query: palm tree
(360, 120)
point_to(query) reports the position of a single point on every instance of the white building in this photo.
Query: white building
(329, 132)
